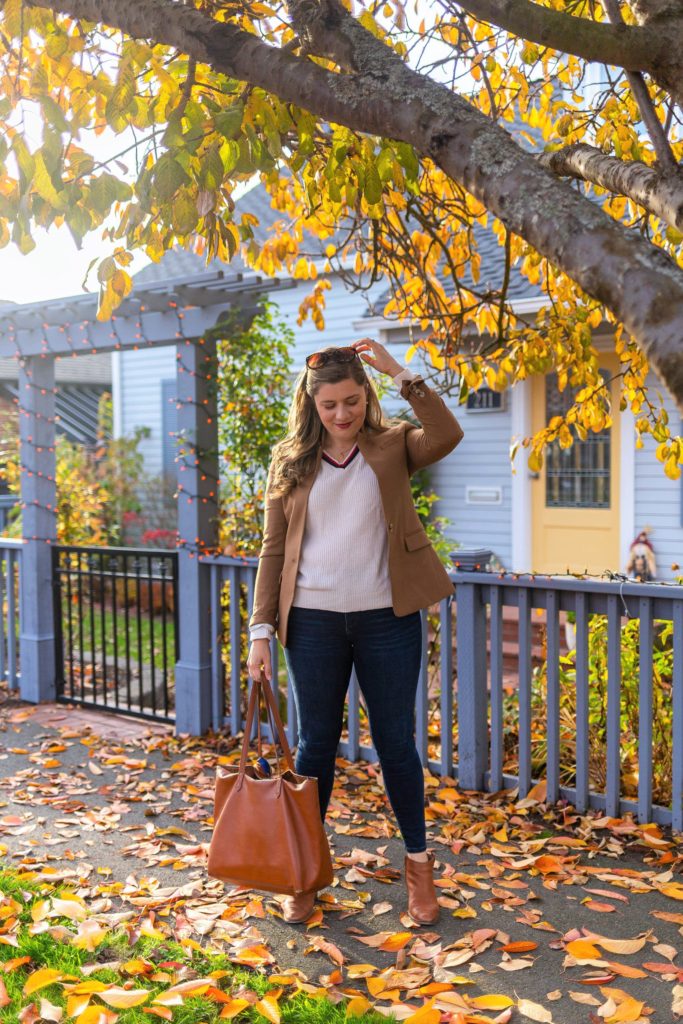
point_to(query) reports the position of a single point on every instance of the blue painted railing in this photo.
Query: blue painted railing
(10, 610)
(469, 682)
(7, 503)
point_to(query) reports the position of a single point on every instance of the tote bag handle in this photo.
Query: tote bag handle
(259, 687)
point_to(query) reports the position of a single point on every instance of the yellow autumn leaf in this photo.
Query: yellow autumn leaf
(629, 1009)
(428, 1014)
(40, 979)
(175, 995)
(70, 907)
(491, 1002)
(136, 967)
(40, 910)
(582, 949)
(624, 946)
(97, 1015)
(269, 1008)
(233, 1008)
(89, 935)
(49, 1012)
(534, 1011)
(123, 998)
(672, 889)
(87, 987)
(375, 986)
(396, 941)
(76, 1004)
(357, 1006)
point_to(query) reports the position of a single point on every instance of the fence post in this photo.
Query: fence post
(39, 528)
(472, 695)
(197, 462)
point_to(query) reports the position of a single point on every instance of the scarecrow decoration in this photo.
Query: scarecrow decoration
(641, 560)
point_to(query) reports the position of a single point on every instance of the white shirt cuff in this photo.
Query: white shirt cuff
(261, 631)
(403, 375)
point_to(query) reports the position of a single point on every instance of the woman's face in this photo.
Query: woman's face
(341, 408)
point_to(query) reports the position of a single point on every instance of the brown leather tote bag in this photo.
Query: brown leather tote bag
(267, 832)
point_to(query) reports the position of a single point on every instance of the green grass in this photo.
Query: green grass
(48, 952)
(148, 629)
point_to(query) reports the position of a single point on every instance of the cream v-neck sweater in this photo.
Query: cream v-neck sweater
(343, 564)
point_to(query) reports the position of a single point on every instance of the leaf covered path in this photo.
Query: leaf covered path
(546, 915)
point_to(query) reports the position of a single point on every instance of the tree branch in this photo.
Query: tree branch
(658, 192)
(639, 283)
(643, 99)
(655, 48)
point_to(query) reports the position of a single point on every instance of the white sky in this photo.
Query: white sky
(54, 268)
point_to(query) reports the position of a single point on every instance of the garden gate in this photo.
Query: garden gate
(116, 628)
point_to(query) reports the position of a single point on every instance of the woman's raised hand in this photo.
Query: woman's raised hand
(374, 354)
(259, 662)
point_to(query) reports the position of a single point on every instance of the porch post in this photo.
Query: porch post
(472, 693)
(39, 527)
(197, 462)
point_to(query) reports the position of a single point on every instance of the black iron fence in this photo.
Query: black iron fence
(116, 628)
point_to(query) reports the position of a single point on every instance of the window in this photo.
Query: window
(576, 477)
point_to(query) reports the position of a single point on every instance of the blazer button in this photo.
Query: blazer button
(391, 527)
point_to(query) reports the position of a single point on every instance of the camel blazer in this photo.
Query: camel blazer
(418, 579)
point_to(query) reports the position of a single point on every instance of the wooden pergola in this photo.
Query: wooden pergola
(175, 312)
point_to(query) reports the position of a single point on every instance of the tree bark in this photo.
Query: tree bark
(659, 192)
(655, 47)
(639, 283)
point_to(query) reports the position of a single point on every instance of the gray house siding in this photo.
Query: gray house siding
(143, 373)
(480, 462)
(657, 499)
(141, 389)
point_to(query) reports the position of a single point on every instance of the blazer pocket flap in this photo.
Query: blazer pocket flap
(416, 539)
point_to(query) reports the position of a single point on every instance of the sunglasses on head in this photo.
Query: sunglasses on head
(332, 355)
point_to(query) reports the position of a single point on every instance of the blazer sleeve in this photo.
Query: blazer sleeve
(271, 561)
(439, 431)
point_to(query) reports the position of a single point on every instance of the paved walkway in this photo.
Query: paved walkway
(115, 806)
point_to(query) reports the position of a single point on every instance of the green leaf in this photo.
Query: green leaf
(372, 190)
(54, 114)
(105, 190)
(169, 176)
(106, 269)
(123, 93)
(408, 160)
(26, 162)
(212, 167)
(229, 155)
(185, 214)
(79, 223)
(42, 184)
(385, 165)
(228, 122)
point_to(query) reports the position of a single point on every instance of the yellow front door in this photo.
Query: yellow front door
(575, 498)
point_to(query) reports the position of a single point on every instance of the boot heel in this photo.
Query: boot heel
(422, 905)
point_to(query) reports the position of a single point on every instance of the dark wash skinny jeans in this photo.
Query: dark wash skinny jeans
(385, 648)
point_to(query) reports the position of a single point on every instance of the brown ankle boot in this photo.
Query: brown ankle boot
(296, 909)
(422, 905)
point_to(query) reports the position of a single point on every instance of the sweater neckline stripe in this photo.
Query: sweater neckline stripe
(342, 465)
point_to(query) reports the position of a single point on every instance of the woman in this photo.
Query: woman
(344, 570)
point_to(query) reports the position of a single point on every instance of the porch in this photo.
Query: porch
(599, 725)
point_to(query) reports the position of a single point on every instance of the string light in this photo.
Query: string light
(75, 339)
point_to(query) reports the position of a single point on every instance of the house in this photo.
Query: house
(581, 513)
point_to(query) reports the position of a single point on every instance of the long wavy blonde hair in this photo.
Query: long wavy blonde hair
(295, 456)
